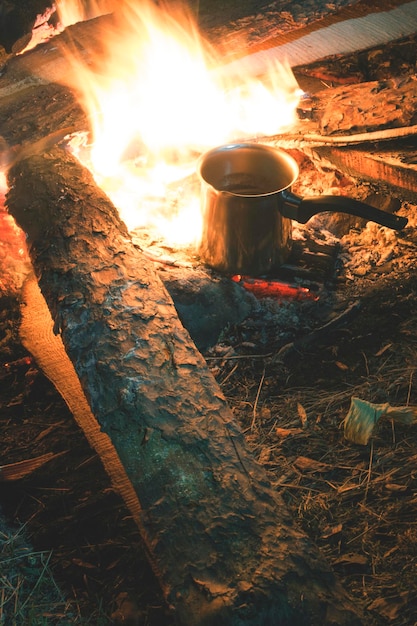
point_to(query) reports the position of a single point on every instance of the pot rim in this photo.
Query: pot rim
(275, 152)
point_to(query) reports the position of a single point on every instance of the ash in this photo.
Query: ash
(374, 249)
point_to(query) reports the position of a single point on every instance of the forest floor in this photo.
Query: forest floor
(70, 552)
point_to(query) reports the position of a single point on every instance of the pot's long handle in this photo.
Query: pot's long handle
(302, 209)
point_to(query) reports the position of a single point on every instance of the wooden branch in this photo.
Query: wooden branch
(396, 168)
(21, 469)
(219, 537)
(311, 139)
(48, 62)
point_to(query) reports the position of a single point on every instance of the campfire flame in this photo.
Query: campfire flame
(156, 98)
(73, 11)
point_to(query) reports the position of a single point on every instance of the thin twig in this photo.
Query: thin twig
(410, 386)
(45, 566)
(316, 140)
(366, 363)
(385, 134)
(364, 532)
(252, 426)
(320, 333)
(368, 480)
(301, 487)
(232, 371)
(233, 357)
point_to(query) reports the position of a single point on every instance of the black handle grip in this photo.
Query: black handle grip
(302, 209)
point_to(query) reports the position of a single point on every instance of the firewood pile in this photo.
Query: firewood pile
(231, 464)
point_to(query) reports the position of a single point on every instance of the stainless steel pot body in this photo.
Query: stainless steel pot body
(248, 208)
(244, 232)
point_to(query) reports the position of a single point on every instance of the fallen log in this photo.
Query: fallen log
(372, 112)
(219, 537)
(397, 58)
(37, 93)
(396, 168)
(367, 107)
(353, 29)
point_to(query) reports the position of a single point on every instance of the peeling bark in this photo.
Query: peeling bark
(368, 106)
(220, 538)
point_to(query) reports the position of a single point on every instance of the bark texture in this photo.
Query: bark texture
(220, 538)
(368, 106)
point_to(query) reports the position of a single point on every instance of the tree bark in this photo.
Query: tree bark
(368, 106)
(220, 538)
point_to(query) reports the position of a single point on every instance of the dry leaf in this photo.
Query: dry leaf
(329, 531)
(352, 558)
(303, 463)
(390, 607)
(384, 349)
(265, 455)
(395, 488)
(302, 414)
(341, 366)
(362, 417)
(286, 432)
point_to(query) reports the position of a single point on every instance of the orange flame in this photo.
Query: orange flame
(73, 11)
(156, 99)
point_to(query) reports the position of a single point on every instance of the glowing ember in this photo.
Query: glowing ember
(156, 99)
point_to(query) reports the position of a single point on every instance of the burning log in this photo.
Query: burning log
(17, 22)
(220, 539)
(366, 130)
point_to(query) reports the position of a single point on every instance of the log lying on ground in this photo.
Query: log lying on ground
(367, 107)
(220, 539)
(396, 168)
(368, 113)
(37, 91)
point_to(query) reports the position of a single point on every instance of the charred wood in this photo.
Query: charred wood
(219, 537)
